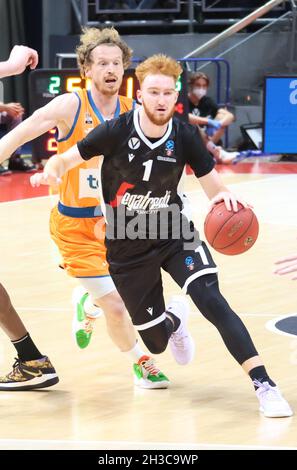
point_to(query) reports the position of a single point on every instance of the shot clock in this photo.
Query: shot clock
(46, 84)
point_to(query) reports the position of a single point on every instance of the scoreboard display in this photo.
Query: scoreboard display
(46, 84)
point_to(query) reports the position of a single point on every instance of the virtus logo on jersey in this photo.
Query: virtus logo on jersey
(134, 143)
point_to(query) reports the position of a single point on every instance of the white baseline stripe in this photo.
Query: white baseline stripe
(134, 445)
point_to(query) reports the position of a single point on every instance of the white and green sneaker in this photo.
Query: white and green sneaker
(147, 375)
(85, 314)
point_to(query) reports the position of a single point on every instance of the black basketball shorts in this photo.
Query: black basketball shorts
(135, 267)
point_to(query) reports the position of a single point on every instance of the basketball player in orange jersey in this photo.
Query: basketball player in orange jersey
(24, 368)
(76, 224)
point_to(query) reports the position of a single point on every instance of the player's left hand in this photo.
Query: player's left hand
(230, 200)
(44, 178)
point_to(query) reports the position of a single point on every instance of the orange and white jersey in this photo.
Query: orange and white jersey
(79, 187)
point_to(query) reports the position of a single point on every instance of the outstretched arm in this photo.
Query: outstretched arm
(216, 191)
(20, 57)
(56, 167)
(59, 111)
(287, 265)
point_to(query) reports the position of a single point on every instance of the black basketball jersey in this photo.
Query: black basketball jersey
(140, 175)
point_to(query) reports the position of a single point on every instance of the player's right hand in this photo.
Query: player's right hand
(21, 57)
(44, 178)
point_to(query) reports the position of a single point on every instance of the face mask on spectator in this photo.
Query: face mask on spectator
(199, 92)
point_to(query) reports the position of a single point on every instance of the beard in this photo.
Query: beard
(105, 90)
(159, 121)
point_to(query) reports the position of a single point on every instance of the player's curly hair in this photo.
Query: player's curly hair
(158, 64)
(93, 37)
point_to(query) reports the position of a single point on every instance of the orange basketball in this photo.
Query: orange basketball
(229, 232)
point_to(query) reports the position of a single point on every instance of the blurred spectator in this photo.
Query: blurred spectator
(11, 116)
(204, 111)
(211, 119)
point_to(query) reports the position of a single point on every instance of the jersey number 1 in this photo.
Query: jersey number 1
(148, 169)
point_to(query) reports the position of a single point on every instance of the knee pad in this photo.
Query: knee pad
(155, 338)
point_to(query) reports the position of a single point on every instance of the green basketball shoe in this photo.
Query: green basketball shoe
(85, 315)
(147, 375)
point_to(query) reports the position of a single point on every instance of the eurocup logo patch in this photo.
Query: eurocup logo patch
(169, 147)
(189, 262)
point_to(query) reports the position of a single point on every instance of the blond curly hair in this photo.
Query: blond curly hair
(158, 64)
(93, 37)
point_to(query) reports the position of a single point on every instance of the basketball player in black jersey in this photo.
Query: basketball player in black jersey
(145, 152)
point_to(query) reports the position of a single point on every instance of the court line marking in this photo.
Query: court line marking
(270, 325)
(258, 181)
(137, 445)
(270, 177)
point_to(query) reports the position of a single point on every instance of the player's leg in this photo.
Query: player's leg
(81, 258)
(206, 295)
(90, 266)
(195, 272)
(140, 285)
(122, 332)
(123, 335)
(103, 295)
(31, 369)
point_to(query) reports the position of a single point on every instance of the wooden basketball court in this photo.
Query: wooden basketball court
(211, 403)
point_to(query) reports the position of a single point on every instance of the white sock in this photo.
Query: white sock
(135, 353)
(91, 309)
